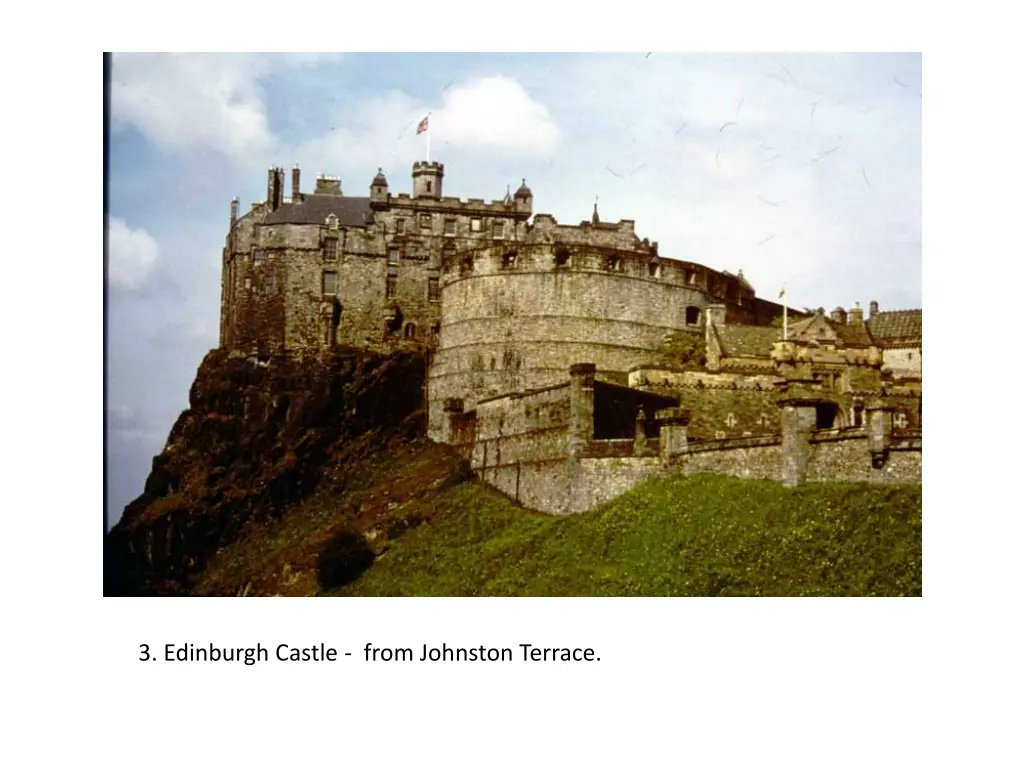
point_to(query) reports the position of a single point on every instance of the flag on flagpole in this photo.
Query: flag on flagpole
(785, 315)
(422, 127)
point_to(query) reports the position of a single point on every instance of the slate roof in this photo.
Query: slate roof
(895, 327)
(852, 334)
(351, 211)
(747, 340)
(848, 334)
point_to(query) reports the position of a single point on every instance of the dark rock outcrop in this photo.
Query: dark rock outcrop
(257, 437)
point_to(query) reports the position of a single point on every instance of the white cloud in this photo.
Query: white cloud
(178, 100)
(497, 113)
(132, 255)
(215, 100)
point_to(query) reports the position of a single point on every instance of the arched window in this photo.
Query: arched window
(410, 330)
(692, 315)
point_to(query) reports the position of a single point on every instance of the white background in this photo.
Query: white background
(928, 681)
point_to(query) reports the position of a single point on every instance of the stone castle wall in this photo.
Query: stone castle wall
(540, 448)
(723, 405)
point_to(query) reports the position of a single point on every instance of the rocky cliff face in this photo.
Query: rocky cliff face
(257, 437)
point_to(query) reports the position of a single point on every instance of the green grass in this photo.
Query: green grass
(703, 535)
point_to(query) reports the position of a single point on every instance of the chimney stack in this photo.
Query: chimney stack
(295, 184)
(234, 209)
(873, 306)
(839, 315)
(856, 314)
(275, 187)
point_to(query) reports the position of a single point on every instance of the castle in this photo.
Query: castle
(569, 362)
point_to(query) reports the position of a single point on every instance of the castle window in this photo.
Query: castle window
(433, 289)
(430, 186)
(691, 277)
(400, 226)
(825, 416)
(467, 265)
(562, 257)
(257, 256)
(410, 330)
(392, 287)
(613, 263)
(425, 222)
(692, 315)
(330, 283)
(508, 261)
(730, 420)
(393, 254)
(330, 249)
(474, 225)
(449, 226)
(900, 420)
(654, 269)
(499, 230)
(248, 283)
(270, 285)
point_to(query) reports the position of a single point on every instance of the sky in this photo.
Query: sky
(799, 169)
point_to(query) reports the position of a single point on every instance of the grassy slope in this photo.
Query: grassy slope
(703, 535)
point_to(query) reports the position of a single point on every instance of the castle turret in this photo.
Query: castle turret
(524, 198)
(426, 179)
(379, 189)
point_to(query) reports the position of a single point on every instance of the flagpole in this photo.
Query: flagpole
(785, 314)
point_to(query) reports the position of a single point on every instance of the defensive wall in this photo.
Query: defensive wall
(561, 449)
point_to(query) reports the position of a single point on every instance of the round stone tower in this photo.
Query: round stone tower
(515, 316)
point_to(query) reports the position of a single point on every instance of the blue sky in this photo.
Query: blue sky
(796, 168)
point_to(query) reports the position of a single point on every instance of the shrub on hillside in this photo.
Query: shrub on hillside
(343, 558)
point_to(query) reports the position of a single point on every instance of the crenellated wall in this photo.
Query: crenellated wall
(544, 448)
